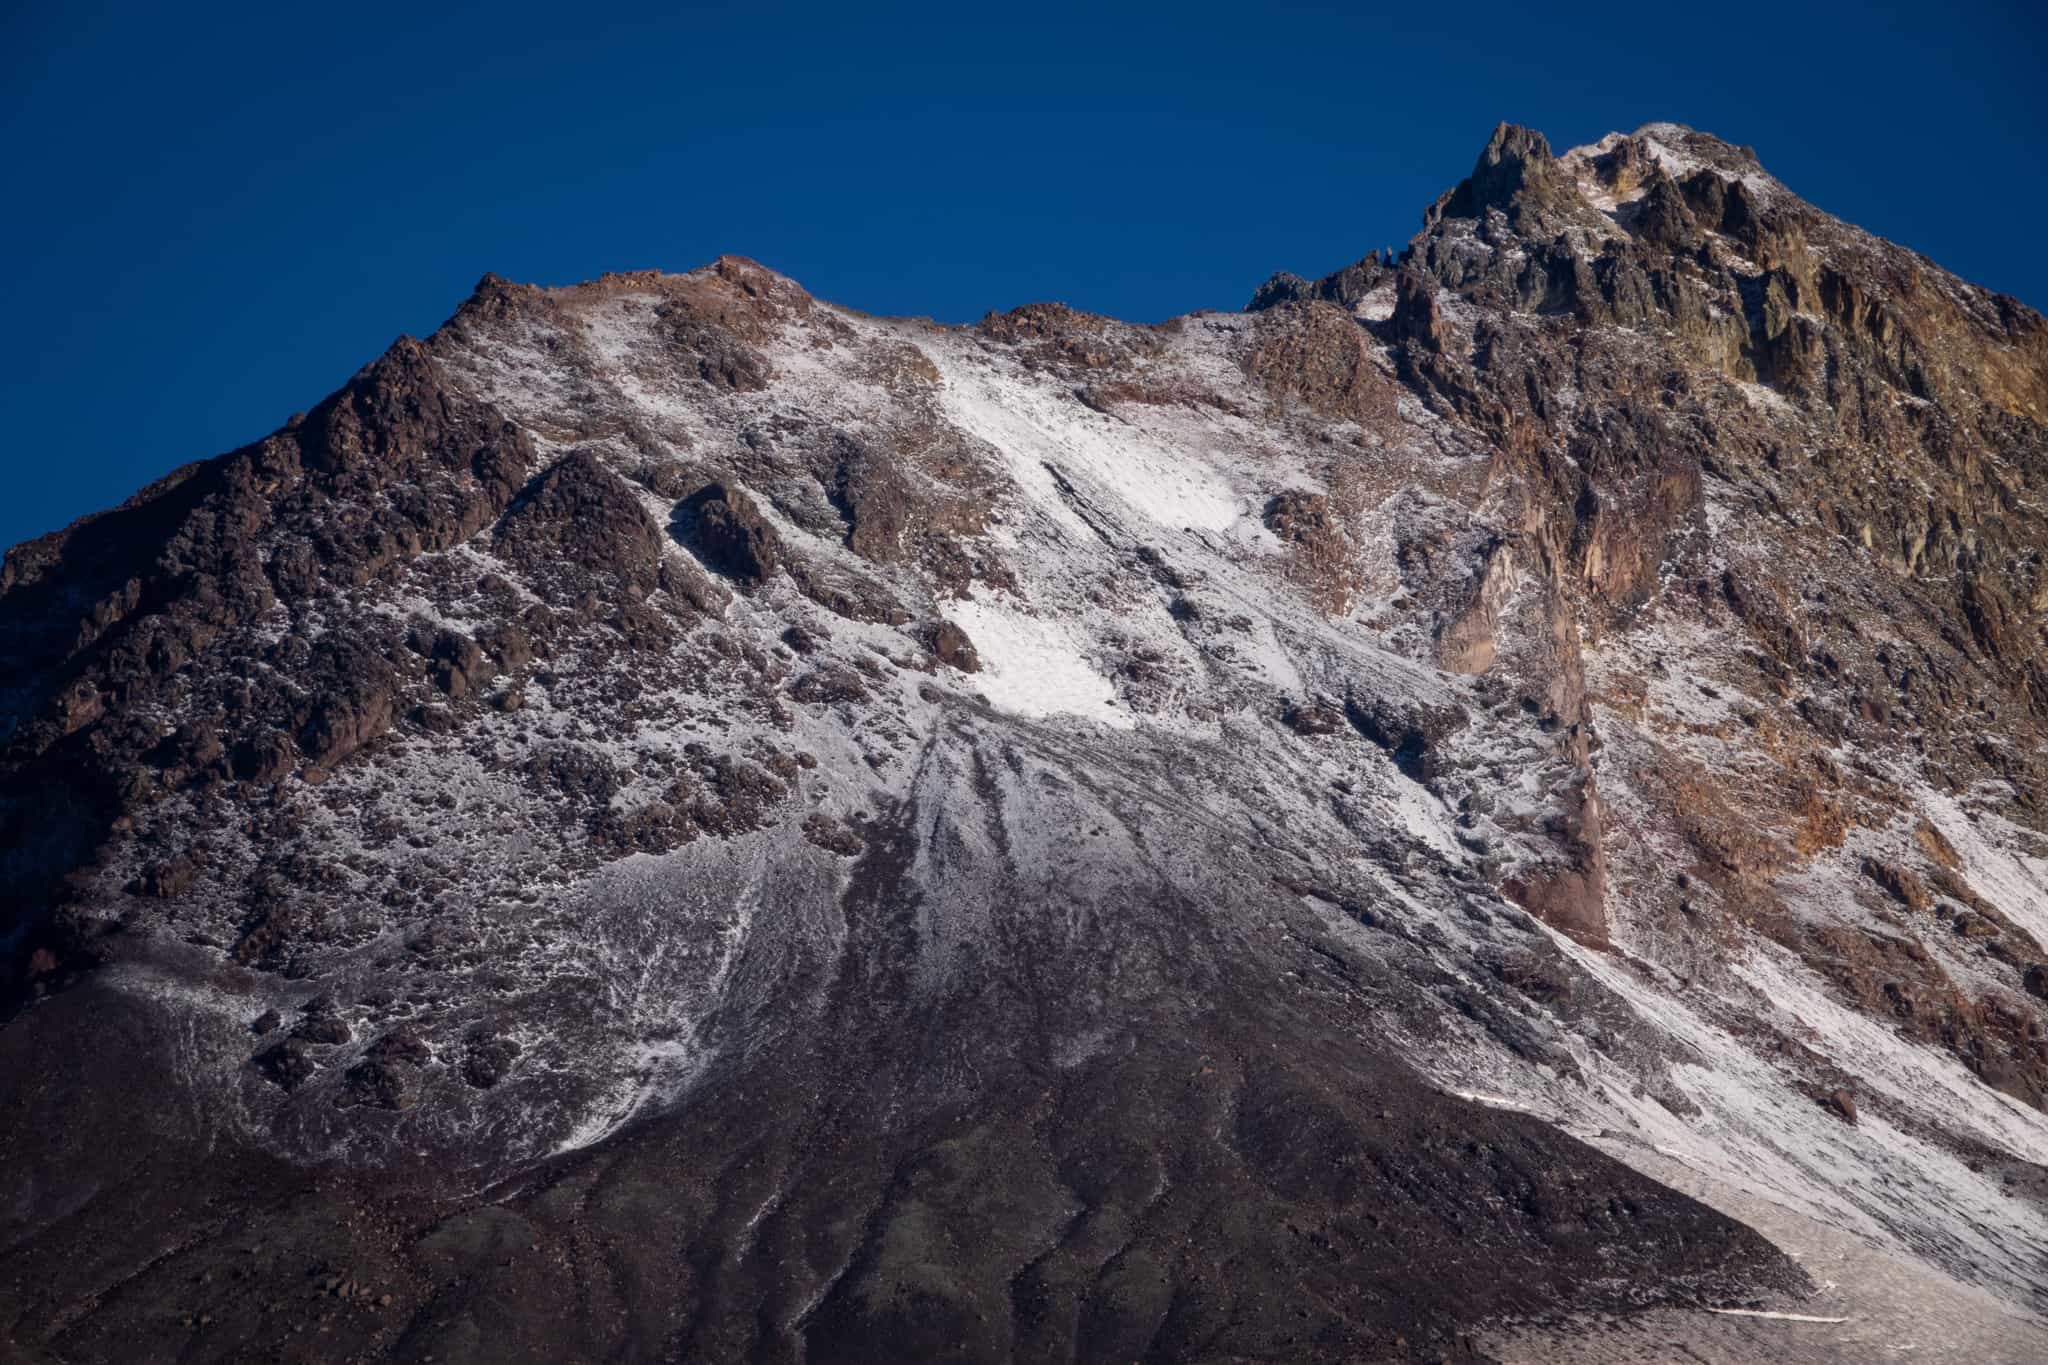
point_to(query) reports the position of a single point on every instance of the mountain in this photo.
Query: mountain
(1481, 808)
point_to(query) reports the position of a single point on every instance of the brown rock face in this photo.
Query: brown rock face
(1570, 891)
(951, 647)
(394, 466)
(1322, 552)
(1562, 271)
(1315, 354)
(579, 520)
(879, 503)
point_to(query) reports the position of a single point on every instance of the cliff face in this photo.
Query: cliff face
(674, 820)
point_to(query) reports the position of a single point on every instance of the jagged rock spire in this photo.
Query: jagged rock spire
(1517, 174)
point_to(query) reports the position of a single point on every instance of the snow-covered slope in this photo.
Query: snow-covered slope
(855, 838)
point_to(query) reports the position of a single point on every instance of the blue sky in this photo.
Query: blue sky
(210, 220)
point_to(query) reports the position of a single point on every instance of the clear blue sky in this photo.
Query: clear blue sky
(210, 219)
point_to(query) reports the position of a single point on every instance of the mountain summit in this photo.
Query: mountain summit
(1480, 808)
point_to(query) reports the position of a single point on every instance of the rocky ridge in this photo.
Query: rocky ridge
(671, 819)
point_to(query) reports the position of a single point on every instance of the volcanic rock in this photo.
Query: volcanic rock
(1562, 698)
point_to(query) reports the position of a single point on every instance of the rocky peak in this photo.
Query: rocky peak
(1346, 288)
(1517, 175)
(891, 827)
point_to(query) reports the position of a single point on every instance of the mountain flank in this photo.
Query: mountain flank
(1478, 808)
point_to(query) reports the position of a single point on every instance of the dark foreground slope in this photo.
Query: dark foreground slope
(672, 821)
(1222, 1181)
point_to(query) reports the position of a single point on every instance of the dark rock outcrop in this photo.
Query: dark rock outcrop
(732, 535)
(101, 620)
(582, 517)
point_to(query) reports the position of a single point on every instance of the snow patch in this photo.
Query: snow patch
(1035, 425)
(1032, 666)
